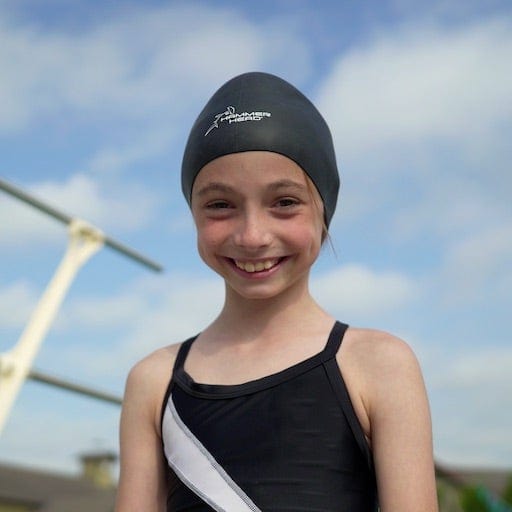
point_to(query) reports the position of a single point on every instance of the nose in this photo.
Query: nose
(253, 231)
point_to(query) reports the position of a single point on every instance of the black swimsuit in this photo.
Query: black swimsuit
(288, 442)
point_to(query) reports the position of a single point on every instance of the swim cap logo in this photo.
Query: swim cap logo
(230, 116)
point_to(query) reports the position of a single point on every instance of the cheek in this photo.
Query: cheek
(306, 235)
(209, 237)
(317, 223)
(317, 235)
(204, 249)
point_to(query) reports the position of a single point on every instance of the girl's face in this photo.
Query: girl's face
(259, 222)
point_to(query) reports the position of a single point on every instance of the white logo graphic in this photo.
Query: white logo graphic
(230, 116)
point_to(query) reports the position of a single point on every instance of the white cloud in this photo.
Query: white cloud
(488, 366)
(452, 207)
(174, 318)
(356, 291)
(111, 159)
(54, 437)
(479, 266)
(79, 196)
(23, 224)
(471, 401)
(171, 318)
(17, 300)
(470, 393)
(103, 313)
(417, 84)
(118, 330)
(473, 433)
(151, 63)
(422, 122)
(85, 197)
(470, 367)
(154, 302)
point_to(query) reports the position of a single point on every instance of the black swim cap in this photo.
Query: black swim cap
(261, 112)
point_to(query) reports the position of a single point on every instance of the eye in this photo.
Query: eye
(218, 205)
(287, 202)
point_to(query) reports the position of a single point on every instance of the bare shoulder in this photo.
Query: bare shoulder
(377, 353)
(386, 384)
(388, 369)
(148, 380)
(382, 363)
(142, 482)
(376, 367)
(154, 366)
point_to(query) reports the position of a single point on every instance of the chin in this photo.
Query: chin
(267, 291)
(252, 294)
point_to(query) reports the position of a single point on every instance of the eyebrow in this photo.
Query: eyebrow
(216, 186)
(277, 185)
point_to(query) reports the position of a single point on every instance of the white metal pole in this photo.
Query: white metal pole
(84, 241)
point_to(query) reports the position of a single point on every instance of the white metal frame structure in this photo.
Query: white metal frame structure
(84, 241)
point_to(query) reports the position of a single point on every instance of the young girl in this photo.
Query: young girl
(275, 406)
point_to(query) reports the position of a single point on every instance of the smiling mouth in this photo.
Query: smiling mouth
(256, 266)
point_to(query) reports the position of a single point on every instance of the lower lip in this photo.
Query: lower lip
(256, 275)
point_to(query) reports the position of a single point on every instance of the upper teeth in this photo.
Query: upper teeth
(255, 267)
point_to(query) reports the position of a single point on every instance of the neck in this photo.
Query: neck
(247, 319)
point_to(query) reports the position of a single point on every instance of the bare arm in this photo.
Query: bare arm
(401, 431)
(142, 482)
(390, 399)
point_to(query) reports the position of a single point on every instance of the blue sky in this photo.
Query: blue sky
(96, 100)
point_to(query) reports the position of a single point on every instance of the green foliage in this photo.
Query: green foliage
(507, 493)
(441, 492)
(478, 499)
(471, 500)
